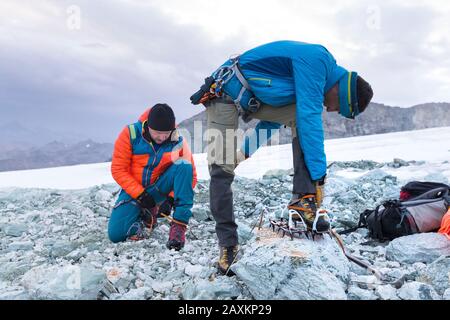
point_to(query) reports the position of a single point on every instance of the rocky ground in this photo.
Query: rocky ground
(54, 245)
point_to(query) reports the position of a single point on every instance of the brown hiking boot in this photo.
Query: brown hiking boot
(226, 259)
(306, 206)
(306, 203)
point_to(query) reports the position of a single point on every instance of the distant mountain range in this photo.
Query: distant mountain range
(21, 135)
(22, 147)
(56, 154)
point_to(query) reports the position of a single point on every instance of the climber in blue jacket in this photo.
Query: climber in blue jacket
(279, 83)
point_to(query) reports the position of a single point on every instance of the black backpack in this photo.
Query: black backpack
(396, 218)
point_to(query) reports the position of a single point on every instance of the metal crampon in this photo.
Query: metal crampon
(320, 213)
(295, 226)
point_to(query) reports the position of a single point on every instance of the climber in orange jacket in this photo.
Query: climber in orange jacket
(154, 166)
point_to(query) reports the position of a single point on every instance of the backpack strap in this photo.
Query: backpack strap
(377, 230)
(433, 194)
(411, 223)
(362, 223)
(350, 230)
(132, 130)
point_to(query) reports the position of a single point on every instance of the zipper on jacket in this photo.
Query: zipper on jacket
(154, 159)
(153, 163)
(265, 81)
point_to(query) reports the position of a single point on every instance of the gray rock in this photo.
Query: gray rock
(174, 275)
(396, 274)
(14, 293)
(358, 164)
(77, 254)
(336, 186)
(354, 268)
(10, 271)
(142, 293)
(15, 229)
(365, 281)
(200, 214)
(356, 293)
(124, 283)
(249, 199)
(202, 289)
(275, 173)
(419, 266)
(162, 287)
(244, 232)
(108, 289)
(437, 274)
(61, 248)
(387, 292)
(21, 245)
(422, 247)
(397, 163)
(102, 211)
(278, 268)
(378, 175)
(64, 282)
(417, 291)
(90, 240)
(365, 233)
(350, 197)
(103, 196)
(193, 270)
(69, 230)
(446, 295)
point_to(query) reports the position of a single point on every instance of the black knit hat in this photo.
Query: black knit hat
(161, 118)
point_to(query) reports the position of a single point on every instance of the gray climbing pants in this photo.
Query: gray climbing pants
(222, 143)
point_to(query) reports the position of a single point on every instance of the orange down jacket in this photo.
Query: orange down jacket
(136, 164)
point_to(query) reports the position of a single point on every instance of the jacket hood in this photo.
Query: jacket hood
(144, 116)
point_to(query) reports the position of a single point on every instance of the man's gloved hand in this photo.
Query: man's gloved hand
(146, 201)
(166, 207)
(320, 190)
(196, 98)
(240, 157)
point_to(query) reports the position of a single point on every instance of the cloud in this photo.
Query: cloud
(125, 55)
(121, 60)
(397, 47)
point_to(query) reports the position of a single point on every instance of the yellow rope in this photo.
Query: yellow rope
(168, 217)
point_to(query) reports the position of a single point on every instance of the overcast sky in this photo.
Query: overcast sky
(94, 66)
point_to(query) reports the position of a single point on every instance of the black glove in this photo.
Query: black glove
(166, 207)
(146, 201)
(196, 97)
